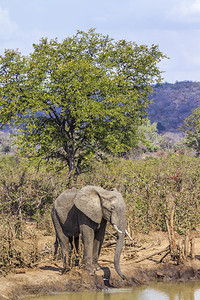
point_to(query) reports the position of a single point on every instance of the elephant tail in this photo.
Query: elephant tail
(58, 228)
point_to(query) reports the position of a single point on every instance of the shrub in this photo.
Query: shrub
(151, 188)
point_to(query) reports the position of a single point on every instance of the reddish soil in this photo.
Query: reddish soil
(46, 277)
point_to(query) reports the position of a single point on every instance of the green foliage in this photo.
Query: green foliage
(191, 128)
(149, 135)
(83, 96)
(151, 187)
(6, 144)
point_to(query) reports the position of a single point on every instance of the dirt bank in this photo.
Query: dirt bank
(46, 277)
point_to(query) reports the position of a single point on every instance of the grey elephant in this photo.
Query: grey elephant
(87, 211)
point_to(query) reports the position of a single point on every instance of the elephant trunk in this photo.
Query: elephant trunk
(118, 251)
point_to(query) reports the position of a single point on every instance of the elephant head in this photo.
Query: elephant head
(97, 204)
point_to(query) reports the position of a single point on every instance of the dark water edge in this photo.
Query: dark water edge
(155, 291)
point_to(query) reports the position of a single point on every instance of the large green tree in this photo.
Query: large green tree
(191, 128)
(77, 98)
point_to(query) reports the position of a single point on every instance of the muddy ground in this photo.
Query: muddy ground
(45, 277)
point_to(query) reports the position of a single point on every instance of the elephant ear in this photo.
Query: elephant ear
(88, 201)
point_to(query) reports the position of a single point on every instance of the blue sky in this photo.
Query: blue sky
(174, 25)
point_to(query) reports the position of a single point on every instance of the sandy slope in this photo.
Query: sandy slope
(47, 278)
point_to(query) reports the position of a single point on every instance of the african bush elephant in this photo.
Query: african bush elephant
(87, 211)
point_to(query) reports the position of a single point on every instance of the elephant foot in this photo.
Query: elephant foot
(90, 269)
(96, 266)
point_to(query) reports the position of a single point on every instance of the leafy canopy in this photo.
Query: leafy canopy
(149, 135)
(73, 99)
(191, 128)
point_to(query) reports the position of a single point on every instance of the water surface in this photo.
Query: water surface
(156, 291)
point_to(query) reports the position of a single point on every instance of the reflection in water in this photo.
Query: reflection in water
(179, 291)
(156, 291)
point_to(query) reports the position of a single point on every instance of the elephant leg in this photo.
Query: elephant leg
(55, 247)
(64, 244)
(76, 243)
(70, 251)
(62, 238)
(88, 238)
(98, 241)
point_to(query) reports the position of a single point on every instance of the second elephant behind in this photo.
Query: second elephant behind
(87, 211)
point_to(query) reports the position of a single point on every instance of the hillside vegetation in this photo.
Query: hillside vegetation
(173, 103)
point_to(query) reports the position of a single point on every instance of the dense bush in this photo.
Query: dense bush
(15, 252)
(152, 187)
(26, 192)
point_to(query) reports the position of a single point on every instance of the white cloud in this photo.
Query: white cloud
(7, 27)
(172, 24)
(12, 36)
(187, 10)
(191, 7)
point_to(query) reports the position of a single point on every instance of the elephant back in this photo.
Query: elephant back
(64, 203)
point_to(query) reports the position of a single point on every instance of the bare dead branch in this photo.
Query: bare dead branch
(152, 254)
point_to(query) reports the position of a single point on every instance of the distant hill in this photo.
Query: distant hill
(173, 103)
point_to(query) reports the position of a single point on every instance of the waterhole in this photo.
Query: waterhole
(156, 291)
